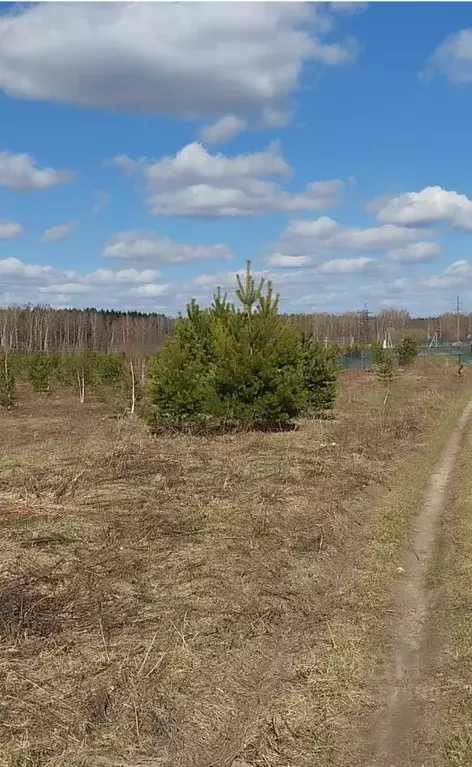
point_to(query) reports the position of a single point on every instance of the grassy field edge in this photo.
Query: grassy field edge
(451, 625)
(361, 642)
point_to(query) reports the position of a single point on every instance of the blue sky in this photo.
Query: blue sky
(148, 150)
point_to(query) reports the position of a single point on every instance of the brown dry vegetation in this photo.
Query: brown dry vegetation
(199, 601)
(446, 693)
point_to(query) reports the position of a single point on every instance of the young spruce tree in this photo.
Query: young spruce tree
(41, 369)
(407, 350)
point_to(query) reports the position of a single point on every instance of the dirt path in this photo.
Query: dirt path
(395, 741)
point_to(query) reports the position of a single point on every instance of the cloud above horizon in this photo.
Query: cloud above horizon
(154, 55)
(59, 232)
(196, 184)
(20, 173)
(149, 149)
(452, 59)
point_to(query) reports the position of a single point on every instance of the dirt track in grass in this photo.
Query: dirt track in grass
(399, 741)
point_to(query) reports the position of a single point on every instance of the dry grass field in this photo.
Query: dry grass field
(205, 602)
(447, 689)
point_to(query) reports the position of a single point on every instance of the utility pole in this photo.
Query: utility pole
(365, 325)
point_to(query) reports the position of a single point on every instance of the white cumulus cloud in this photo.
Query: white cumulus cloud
(193, 164)
(181, 59)
(453, 59)
(444, 281)
(109, 276)
(9, 229)
(205, 201)
(416, 253)
(69, 288)
(23, 283)
(13, 268)
(324, 233)
(456, 275)
(58, 232)
(20, 173)
(225, 129)
(462, 268)
(280, 260)
(149, 291)
(149, 246)
(197, 184)
(431, 205)
(349, 265)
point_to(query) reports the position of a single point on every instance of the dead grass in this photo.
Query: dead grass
(450, 681)
(198, 601)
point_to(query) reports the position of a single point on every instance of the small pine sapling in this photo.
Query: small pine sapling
(379, 354)
(228, 367)
(385, 376)
(40, 372)
(385, 370)
(407, 350)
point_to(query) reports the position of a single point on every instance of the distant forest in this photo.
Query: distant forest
(40, 328)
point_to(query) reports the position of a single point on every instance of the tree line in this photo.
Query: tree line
(31, 329)
(224, 367)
